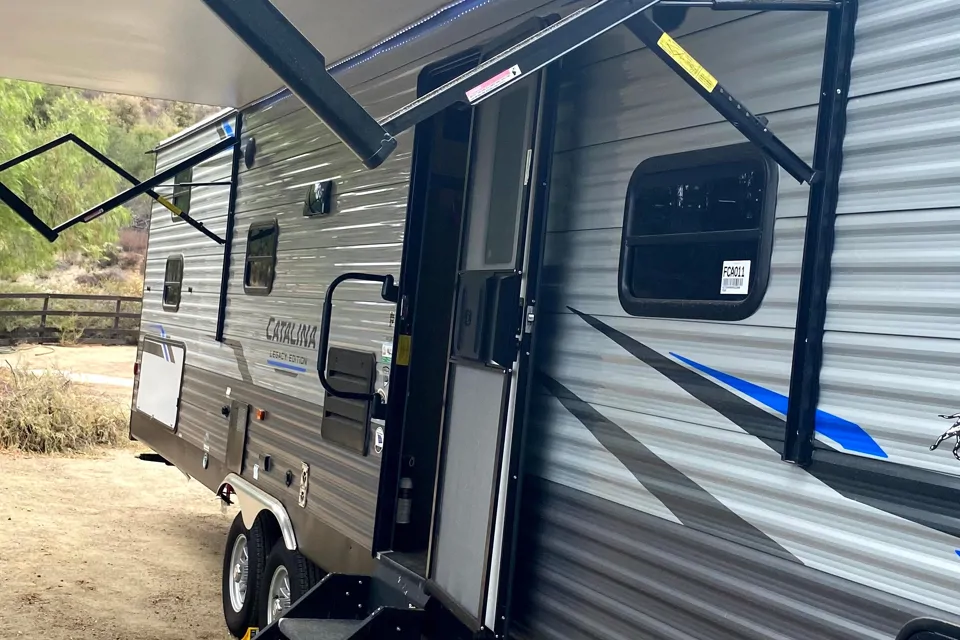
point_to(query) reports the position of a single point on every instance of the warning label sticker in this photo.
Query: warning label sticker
(735, 280)
(687, 62)
(493, 83)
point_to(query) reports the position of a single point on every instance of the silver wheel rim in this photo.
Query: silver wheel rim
(279, 594)
(239, 572)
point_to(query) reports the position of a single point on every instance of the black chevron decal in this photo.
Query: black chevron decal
(694, 506)
(922, 496)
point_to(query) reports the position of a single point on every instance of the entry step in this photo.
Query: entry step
(303, 629)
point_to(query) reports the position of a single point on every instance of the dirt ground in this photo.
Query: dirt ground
(106, 547)
(105, 361)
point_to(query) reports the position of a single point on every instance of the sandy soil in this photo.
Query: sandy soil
(108, 548)
(98, 360)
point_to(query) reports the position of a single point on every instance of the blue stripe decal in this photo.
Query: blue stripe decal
(286, 365)
(848, 435)
(163, 345)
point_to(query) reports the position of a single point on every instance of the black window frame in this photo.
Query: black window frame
(251, 290)
(182, 195)
(723, 310)
(172, 307)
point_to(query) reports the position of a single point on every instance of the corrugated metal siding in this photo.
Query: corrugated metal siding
(605, 562)
(600, 570)
(890, 347)
(365, 233)
(194, 323)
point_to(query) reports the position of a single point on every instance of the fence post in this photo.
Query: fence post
(43, 318)
(116, 318)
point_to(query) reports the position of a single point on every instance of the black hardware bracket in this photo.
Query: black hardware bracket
(389, 292)
(139, 188)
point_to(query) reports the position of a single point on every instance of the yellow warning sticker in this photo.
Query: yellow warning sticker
(174, 209)
(403, 350)
(687, 61)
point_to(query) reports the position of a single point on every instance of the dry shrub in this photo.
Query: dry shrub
(134, 240)
(50, 414)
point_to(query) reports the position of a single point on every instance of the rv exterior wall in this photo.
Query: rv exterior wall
(663, 509)
(657, 504)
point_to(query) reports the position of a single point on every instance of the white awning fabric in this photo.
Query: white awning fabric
(177, 49)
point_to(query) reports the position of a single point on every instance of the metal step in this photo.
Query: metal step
(294, 629)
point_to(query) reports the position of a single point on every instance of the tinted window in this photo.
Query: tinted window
(261, 260)
(181, 194)
(698, 230)
(172, 283)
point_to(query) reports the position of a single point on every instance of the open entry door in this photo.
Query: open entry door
(489, 351)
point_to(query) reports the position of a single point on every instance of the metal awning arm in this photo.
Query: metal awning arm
(521, 60)
(753, 127)
(291, 56)
(28, 215)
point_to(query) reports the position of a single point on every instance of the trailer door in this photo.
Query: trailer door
(484, 390)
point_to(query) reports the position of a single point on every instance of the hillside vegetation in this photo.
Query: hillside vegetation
(66, 181)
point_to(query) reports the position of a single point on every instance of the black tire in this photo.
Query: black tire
(303, 574)
(238, 621)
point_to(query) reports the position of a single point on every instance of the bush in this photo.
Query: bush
(50, 414)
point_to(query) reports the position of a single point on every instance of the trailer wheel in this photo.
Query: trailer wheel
(243, 560)
(288, 575)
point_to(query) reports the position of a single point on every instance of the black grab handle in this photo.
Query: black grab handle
(388, 292)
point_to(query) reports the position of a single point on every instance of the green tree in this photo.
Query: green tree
(58, 184)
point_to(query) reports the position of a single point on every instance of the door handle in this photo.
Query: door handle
(389, 292)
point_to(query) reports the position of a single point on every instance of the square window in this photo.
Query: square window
(261, 259)
(698, 233)
(172, 283)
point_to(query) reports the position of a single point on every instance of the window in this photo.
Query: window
(172, 283)
(181, 194)
(698, 233)
(261, 260)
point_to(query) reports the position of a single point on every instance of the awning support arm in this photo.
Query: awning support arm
(752, 126)
(26, 212)
(274, 39)
(291, 56)
(521, 60)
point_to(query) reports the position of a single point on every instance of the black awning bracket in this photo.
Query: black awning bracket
(519, 61)
(138, 188)
(263, 28)
(755, 128)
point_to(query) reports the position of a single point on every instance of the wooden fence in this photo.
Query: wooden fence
(89, 319)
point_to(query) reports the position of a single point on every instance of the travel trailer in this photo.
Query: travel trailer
(541, 330)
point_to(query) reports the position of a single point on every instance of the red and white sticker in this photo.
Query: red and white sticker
(493, 83)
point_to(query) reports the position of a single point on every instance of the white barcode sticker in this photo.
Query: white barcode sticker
(735, 280)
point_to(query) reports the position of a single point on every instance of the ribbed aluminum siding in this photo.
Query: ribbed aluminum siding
(606, 557)
(194, 323)
(891, 348)
(364, 233)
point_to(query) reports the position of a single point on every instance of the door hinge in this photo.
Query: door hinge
(529, 317)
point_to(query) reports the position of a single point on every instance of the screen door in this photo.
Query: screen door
(487, 326)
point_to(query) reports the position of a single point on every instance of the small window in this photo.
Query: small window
(181, 194)
(261, 260)
(698, 233)
(172, 283)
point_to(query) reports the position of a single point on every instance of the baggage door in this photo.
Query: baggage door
(490, 320)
